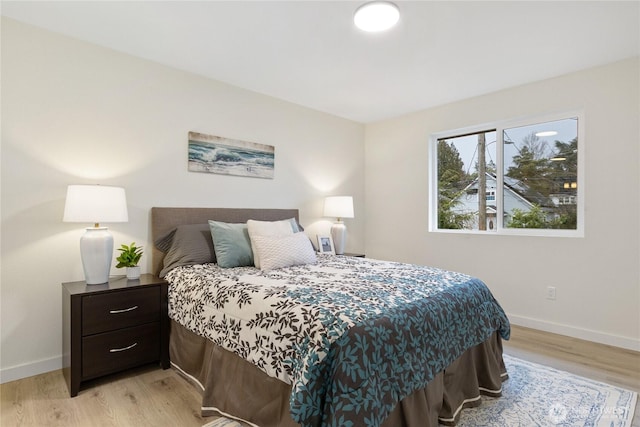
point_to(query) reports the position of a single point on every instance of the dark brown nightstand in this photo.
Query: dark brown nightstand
(112, 327)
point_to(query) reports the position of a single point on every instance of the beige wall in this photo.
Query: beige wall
(76, 113)
(597, 277)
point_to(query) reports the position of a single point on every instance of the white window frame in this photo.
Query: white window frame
(499, 128)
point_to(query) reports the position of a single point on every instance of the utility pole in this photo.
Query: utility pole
(482, 184)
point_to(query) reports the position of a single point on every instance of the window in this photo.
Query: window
(528, 171)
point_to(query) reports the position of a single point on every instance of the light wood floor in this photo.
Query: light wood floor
(611, 365)
(152, 397)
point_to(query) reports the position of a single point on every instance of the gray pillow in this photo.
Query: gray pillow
(231, 244)
(187, 245)
(164, 242)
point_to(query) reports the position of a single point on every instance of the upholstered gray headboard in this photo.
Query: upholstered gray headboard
(163, 220)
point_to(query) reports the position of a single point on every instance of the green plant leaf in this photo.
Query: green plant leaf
(129, 255)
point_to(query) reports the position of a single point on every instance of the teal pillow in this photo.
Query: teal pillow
(231, 244)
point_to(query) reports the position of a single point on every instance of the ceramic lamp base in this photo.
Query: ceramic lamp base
(339, 236)
(96, 249)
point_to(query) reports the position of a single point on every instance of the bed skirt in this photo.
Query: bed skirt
(234, 387)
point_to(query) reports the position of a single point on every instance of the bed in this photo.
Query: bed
(332, 341)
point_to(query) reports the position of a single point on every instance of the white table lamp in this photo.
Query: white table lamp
(339, 207)
(96, 204)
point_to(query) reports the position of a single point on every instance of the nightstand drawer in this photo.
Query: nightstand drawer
(113, 351)
(115, 310)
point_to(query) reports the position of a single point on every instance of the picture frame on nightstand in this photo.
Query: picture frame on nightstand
(325, 245)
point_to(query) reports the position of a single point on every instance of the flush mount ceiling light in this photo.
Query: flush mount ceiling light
(376, 16)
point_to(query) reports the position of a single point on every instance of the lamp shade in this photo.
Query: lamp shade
(338, 207)
(95, 204)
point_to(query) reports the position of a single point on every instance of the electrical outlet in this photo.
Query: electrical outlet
(551, 292)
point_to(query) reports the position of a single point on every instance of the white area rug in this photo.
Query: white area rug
(536, 395)
(539, 396)
(223, 422)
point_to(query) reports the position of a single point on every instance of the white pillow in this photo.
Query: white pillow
(284, 251)
(269, 228)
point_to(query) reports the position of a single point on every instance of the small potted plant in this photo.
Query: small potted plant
(129, 257)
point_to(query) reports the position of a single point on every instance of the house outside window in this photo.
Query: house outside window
(529, 171)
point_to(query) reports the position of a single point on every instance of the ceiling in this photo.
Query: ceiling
(309, 52)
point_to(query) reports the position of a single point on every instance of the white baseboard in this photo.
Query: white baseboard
(572, 331)
(30, 369)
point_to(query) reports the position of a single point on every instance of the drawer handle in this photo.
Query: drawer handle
(116, 350)
(123, 310)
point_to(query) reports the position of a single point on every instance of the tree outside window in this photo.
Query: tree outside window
(518, 177)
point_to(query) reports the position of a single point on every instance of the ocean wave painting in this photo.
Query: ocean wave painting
(214, 154)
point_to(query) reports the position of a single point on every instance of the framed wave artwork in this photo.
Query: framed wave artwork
(215, 154)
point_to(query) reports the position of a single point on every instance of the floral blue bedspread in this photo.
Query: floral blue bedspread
(353, 336)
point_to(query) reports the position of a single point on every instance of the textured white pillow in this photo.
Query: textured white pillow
(269, 228)
(284, 251)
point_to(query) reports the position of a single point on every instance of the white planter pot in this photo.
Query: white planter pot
(133, 272)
